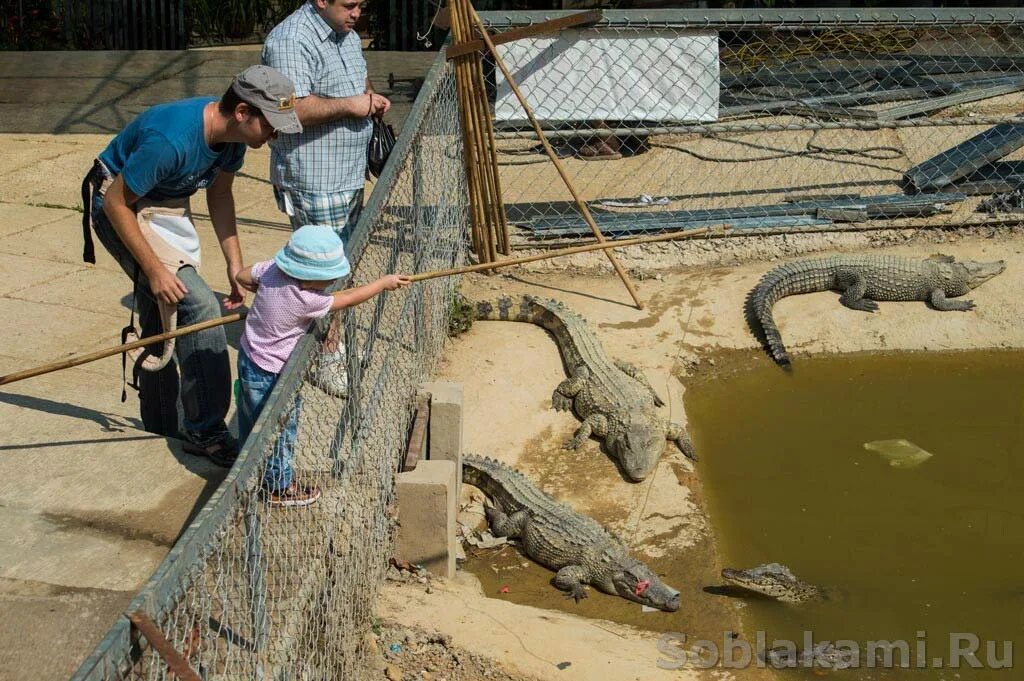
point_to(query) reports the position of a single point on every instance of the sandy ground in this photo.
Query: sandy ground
(692, 314)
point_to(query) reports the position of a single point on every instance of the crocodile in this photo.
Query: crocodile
(821, 656)
(614, 399)
(864, 279)
(774, 581)
(554, 535)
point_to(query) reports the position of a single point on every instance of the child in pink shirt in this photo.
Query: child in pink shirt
(289, 298)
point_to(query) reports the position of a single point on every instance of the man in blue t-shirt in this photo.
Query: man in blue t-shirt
(141, 213)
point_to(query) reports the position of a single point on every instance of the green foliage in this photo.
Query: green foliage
(212, 21)
(32, 25)
(460, 315)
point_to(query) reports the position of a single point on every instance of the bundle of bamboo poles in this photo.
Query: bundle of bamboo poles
(489, 223)
(487, 208)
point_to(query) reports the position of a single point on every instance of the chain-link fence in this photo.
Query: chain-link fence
(258, 592)
(781, 121)
(666, 120)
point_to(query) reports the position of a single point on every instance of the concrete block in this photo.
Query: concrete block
(445, 438)
(427, 507)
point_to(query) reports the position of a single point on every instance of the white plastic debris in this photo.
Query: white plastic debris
(638, 202)
(485, 540)
(489, 541)
(899, 453)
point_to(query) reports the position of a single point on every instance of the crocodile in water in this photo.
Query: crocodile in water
(774, 581)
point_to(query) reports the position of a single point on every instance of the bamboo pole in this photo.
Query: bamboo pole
(100, 354)
(500, 226)
(423, 276)
(472, 178)
(462, 23)
(599, 246)
(584, 210)
(486, 154)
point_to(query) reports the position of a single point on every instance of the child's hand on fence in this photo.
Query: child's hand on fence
(394, 281)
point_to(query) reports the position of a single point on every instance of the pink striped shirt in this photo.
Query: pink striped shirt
(280, 314)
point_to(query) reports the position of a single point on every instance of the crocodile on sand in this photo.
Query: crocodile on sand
(774, 581)
(863, 279)
(614, 399)
(559, 538)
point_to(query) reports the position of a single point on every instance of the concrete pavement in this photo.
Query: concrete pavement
(91, 503)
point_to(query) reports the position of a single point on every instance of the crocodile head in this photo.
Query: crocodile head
(638, 448)
(636, 582)
(774, 581)
(977, 273)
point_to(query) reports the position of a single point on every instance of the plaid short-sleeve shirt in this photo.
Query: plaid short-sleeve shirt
(324, 158)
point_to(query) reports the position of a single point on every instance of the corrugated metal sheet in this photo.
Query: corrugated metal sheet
(966, 157)
(799, 213)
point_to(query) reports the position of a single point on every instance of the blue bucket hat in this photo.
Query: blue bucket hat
(313, 253)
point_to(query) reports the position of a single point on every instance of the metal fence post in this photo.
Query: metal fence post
(256, 572)
(417, 245)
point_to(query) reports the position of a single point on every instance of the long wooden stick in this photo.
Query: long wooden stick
(600, 246)
(423, 276)
(580, 203)
(100, 354)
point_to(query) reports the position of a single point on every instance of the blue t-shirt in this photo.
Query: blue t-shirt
(163, 154)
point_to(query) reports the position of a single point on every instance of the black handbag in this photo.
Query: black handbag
(380, 146)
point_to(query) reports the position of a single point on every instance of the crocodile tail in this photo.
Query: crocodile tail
(492, 477)
(479, 472)
(801, 276)
(544, 312)
(506, 309)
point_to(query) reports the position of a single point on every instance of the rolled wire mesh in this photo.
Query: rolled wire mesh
(253, 591)
(797, 122)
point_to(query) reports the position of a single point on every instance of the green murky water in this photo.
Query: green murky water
(913, 554)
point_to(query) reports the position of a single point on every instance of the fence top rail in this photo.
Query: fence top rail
(843, 16)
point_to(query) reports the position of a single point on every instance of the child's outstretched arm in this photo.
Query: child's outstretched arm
(359, 294)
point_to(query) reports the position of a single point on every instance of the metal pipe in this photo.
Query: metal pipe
(719, 128)
(797, 18)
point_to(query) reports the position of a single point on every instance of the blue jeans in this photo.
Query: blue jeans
(256, 384)
(195, 407)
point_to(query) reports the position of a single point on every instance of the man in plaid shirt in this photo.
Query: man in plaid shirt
(318, 174)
